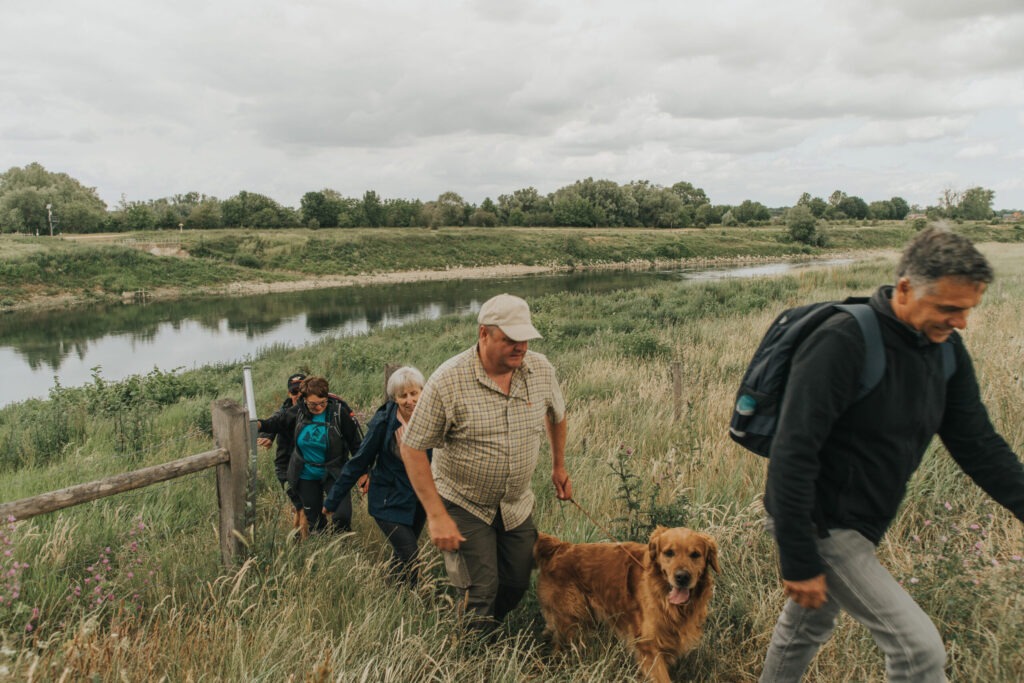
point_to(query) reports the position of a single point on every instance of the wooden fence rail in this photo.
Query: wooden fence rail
(231, 458)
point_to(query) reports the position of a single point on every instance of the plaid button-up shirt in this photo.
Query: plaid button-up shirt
(489, 441)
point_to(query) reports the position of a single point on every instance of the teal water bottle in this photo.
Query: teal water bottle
(746, 405)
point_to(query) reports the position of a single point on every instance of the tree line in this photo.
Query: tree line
(34, 200)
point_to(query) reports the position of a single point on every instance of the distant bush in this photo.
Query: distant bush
(803, 226)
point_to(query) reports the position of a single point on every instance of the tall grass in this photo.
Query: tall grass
(324, 610)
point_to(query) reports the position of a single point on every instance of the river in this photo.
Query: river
(38, 349)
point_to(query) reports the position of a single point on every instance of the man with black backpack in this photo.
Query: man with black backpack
(839, 463)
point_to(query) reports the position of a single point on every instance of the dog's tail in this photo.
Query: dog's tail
(545, 548)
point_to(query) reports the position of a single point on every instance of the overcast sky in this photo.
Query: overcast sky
(748, 100)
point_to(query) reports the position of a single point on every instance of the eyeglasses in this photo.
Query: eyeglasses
(294, 392)
(316, 404)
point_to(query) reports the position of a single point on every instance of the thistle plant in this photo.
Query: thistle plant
(650, 502)
(12, 569)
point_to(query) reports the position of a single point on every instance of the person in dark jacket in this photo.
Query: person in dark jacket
(324, 434)
(284, 447)
(392, 501)
(839, 468)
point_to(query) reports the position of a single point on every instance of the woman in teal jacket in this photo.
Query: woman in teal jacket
(391, 501)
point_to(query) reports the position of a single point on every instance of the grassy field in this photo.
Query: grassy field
(130, 588)
(44, 271)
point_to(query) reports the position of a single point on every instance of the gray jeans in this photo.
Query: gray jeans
(860, 585)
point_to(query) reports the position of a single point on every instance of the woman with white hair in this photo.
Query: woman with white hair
(392, 501)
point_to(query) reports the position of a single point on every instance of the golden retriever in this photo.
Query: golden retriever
(655, 597)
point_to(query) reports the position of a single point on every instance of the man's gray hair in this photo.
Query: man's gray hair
(936, 253)
(403, 378)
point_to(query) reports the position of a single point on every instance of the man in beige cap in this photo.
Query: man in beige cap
(486, 409)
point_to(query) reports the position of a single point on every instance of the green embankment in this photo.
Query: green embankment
(325, 610)
(79, 270)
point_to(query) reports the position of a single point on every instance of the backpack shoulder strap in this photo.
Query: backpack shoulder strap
(874, 356)
(948, 359)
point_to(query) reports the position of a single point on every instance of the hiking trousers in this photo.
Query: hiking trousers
(858, 584)
(497, 563)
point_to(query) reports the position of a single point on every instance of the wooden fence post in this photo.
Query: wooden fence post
(677, 389)
(230, 432)
(389, 369)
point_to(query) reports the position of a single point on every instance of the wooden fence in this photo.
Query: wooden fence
(230, 457)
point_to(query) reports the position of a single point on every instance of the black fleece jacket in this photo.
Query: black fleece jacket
(284, 444)
(343, 436)
(846, 463)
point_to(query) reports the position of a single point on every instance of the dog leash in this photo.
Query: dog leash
(606, 532)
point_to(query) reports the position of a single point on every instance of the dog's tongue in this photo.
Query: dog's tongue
(679, 596)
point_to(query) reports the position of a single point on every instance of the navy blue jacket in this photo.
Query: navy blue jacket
(391, 498)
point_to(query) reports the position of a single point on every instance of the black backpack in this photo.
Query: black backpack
(346, 409)
(755, 415)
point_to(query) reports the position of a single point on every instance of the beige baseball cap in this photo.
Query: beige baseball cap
(512, 316)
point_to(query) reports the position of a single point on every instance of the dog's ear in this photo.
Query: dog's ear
(712, 552)
(652, 546)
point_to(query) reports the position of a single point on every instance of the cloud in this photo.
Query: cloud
(985, 149)
(489, 96)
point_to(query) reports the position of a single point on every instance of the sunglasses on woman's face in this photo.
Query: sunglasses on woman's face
(294, 392)
(316, 404)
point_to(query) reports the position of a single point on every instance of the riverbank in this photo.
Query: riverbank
(65, 300)
(45, 274)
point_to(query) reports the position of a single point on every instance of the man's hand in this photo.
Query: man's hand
(444, 533)
(563, 487)
(263, 442)
(363, 484)
(809, 594)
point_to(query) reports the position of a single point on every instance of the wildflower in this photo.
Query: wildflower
(927, 522)
(975, 527)
(947, 505)
(914, 579)
(1015, 558)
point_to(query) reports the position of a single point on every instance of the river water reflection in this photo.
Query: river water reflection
(125, 340)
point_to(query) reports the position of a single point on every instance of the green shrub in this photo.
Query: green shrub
(803, 226)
